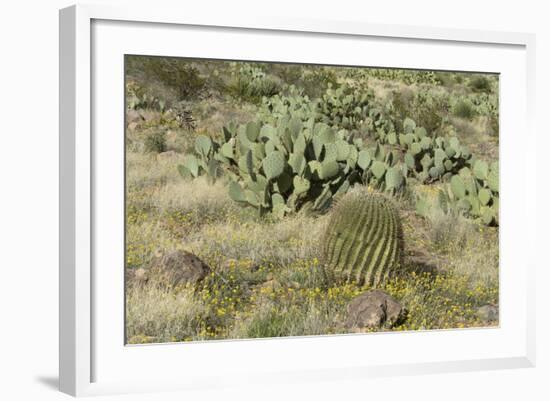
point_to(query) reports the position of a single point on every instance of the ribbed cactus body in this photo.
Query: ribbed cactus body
(363, 242)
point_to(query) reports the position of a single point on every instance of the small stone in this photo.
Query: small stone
(140, 275)
(373, 310)
(136, 276)
(488, 313)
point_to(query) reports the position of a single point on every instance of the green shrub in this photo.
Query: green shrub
(155, 142)
(316, 79)
(251, 83)
(138, 99)
(463, 108)
(480, 83)
(428, 108)
(176, 73)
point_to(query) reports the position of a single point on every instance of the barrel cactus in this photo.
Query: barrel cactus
(363, 242)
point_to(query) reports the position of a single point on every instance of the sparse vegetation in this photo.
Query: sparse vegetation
(293, 139)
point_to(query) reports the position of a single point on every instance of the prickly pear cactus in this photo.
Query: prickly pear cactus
(363, 242)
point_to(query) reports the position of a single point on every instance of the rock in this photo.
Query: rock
(168, 155)
(179, 268)
(132, 126)
(141, 275)
(136, 276)
(133, 116)
(488, 313)
(374, 309)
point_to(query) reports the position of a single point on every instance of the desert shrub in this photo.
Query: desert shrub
(447, 79)
(316, 79)
(428, 108)
(463, 108)
(480, 83)
(177, 74)
(293, 104)
(155, 142)
(408, 77)
(183, 115)
(251, 83)
(487, 106)
(449, 229)
(137, 98)
(312, 80)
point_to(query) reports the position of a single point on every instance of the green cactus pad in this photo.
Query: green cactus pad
(364, 159)
(409, 161)
(492, 178)
(409, 125)
(192, 165)
(378, 169)
(236, 193)
(484, 196)
(227, 150)
(457, 186)
(301, 185)
(363, 241)
(203, 144)
(328, 169)
(252, 131)
(297, 162)
(394, 178)
(481, 169)
(415, 148)
(273, 164)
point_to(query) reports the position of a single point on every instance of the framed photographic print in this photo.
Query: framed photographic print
(276, 200)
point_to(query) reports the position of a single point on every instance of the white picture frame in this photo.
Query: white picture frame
(91, 37)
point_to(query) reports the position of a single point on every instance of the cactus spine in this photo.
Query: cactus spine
(363, 242)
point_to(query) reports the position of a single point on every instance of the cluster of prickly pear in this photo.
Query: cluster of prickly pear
(292, 165)
(426, 158)
(345, 107)
(363, 241)
(474, 192)
(137, 98)
(294, 105)
(203, 161)
(381, 168)
(282, 168)
(252, 83)
(408, 77)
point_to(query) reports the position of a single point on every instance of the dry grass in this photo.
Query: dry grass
(154, 314)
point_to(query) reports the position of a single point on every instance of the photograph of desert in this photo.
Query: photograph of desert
(265, 199)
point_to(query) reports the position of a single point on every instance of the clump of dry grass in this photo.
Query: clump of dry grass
(280, 242)
(154, 314)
